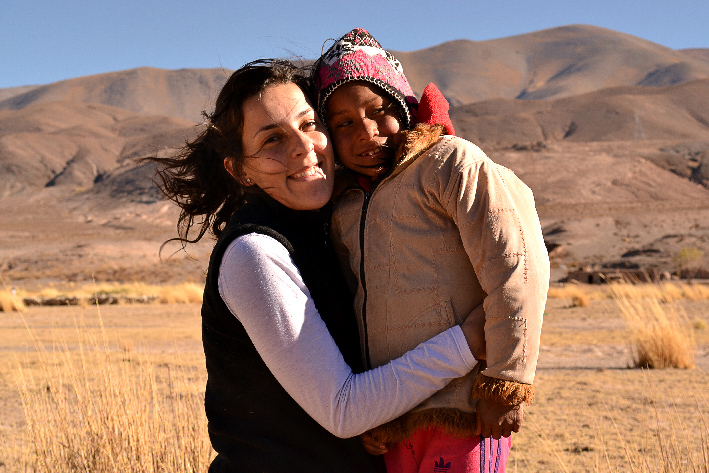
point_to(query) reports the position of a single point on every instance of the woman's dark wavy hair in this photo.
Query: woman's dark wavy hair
(195, 178)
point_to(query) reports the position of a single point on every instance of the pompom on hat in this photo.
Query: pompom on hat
(433, 109)
(358, 56)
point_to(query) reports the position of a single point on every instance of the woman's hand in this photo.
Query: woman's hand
(474, 330)
(372, 446)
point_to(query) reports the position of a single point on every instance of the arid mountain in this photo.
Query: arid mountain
(548, 64)
(184, 93)
(678, 112)
(610, 131)
(8, 92)
(75, 145)
(698, 53)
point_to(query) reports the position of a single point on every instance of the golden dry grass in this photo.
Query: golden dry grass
(660, 334)
(96, 399)
(591, 413)
(10, 302)
(579, 297)
(615, 421)
(183, 293)
(581, 294)
(594, 414)
(93, 410)
(664, 292)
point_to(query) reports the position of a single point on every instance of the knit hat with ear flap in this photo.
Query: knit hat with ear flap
(358, 56)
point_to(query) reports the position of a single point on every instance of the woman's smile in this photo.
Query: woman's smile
(289, 151)
(312, 172)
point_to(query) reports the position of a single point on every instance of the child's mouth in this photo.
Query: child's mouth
(381, 152)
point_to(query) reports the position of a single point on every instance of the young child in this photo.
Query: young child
(431, 228)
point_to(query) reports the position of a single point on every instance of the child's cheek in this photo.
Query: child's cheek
(340, 148)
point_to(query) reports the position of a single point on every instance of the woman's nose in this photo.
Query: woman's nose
(303, 144)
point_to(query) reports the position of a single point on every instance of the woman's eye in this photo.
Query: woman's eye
(310, 125)
(273, 139)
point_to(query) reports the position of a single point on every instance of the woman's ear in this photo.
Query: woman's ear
(229, 166)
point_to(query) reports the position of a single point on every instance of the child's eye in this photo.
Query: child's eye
(382, 109)
(343, 123)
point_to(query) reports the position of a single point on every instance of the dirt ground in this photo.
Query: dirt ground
(592, 412)
(599, 204)
(48, 241)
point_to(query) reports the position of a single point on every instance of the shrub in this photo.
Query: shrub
(659, 334)
(579, 298)
(10, 302)
(689, 261)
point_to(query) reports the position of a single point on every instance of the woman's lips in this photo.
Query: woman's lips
(310, 172)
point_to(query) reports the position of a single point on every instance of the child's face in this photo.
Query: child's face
(364, 124)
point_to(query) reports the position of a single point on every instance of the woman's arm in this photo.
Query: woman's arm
(263, 289)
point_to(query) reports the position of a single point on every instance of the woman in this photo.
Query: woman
(279, 334)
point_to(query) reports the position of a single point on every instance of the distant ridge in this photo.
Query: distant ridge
(549, 64)
(569, 84)
(8, 92)
(76, 145)
(616, 114)
(183, 93)
(698, 53)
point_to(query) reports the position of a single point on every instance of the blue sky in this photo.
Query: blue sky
(43, 41)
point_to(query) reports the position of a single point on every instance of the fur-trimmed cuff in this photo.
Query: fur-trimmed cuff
(451, 421)
(502, 390)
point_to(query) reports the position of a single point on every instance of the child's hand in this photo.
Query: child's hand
(372, 446)
(497, 420)
(474, 330)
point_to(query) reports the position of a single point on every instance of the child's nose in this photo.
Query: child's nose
(368, 129)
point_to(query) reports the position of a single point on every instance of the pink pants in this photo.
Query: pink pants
(432, 451)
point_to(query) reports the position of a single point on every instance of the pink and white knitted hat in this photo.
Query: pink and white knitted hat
(358, 56)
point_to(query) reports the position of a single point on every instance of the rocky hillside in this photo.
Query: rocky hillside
(610, 131)
(549, 64)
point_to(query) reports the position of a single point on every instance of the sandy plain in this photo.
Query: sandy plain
(600, 202)
(592, 412)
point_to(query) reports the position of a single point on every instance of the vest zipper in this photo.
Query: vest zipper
(362, 278)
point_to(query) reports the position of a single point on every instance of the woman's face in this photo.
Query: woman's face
(288, 152)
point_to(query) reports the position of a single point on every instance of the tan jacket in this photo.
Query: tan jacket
(446, 231)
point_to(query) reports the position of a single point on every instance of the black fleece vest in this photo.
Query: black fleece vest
(254, 425)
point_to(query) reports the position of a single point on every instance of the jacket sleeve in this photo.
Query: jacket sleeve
(500, 230)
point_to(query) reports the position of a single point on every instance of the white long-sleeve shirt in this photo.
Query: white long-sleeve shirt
(262, 287)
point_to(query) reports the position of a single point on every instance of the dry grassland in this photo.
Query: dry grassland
(592, 414)
(116, 293)
(118, 388)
